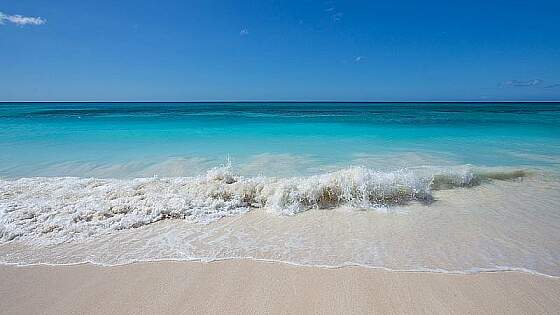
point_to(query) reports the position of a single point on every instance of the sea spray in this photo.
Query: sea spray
(64, 208)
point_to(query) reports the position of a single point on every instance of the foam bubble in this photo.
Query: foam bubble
(63, 208)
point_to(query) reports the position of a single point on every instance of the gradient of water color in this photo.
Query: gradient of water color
(412, 186)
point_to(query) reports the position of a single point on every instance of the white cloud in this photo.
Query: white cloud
(517, 83)
(359, 58)
(337, 16)
(21, 20)
(333, 12)
(244, 32)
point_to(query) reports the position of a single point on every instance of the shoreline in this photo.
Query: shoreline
(249, 286)
(293, 264)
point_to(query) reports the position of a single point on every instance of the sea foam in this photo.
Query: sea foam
(58, 209)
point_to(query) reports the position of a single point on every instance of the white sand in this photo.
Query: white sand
(245, 287)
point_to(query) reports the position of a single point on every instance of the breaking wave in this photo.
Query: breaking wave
(64, 208)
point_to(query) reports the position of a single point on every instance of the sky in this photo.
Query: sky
(135, 50)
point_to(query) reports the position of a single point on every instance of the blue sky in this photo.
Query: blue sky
(279, 50)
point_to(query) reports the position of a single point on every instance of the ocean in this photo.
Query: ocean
(442, 187)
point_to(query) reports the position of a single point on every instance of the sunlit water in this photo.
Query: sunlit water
(441, 187)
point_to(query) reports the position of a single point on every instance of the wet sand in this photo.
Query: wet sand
(256, 287)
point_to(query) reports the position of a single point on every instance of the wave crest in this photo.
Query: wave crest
(64, 208)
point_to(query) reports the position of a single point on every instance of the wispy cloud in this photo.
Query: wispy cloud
(337, 16)
(333, 12)
(244, 32)
(517, 83)
(552, 86)
(21, 20)
(359, 59)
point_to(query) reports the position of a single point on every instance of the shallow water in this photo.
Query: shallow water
(273, 139)
(442, 187)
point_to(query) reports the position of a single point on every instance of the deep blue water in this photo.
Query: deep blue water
(172, 139)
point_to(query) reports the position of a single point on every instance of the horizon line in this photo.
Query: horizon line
(296, 101)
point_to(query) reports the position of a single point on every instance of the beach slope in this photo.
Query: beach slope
(249, 287)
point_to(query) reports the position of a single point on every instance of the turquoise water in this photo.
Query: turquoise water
(177, 139)
(425, 187)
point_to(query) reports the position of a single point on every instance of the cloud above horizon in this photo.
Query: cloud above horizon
(21, 20)
(517, 83)
(333, 12)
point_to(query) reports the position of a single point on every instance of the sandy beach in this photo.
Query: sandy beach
(253, 287)
(279, 157)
